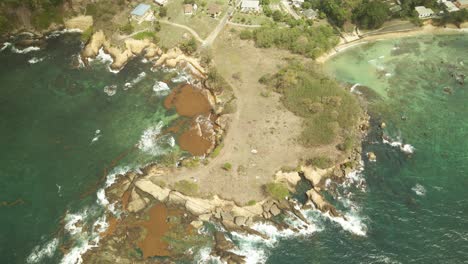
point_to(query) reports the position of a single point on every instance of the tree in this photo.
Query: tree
(277, 16)
(189, 46)
(370, 14)
(4, 25)
(163, 11)
(157, 26)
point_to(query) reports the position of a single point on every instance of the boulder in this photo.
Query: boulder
(317, 199)
(227, 216)
(274, 210)
(314, 175)
(198, 206)
(240, 220)
(266, 215)
(137, 203)
(222, 244)
(95, 43)
(204, 217)
(196, 224)
(80, 22)
(371, 156)
(160, 194)
(267, 205)
(136, 46)
(291, 178)
(176, 198)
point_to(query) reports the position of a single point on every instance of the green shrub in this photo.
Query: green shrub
(251, 202)
(186, 187)
(277, 190)
(189, 46)
(216, 151)
(86, 35)
(227, 166)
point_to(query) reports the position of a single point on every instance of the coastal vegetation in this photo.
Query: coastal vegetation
(329, 112)
(277, 190)
(308, 41)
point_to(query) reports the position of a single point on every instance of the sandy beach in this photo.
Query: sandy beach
(426, 29)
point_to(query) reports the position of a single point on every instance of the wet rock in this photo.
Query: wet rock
(371, 156)
(317, 199)
(337, 172)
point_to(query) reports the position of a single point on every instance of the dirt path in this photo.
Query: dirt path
(193, 32)
(242, 25)
(209, 40)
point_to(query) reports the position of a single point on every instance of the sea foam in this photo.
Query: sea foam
(40, 252)
(35, 60)
(406, 148)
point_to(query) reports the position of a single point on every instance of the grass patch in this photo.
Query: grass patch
(186, 187)
(86, 35)
(146, 35)
(191, 163)
(279, 191)
(320, 162)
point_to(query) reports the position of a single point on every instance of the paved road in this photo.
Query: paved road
(288, 8)
(210, 39)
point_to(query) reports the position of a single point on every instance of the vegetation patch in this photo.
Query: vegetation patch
(227, 166)
(320, 162)
(308, 41)
(146, 35)
(330, 112)
(186, 187)
(277, 190)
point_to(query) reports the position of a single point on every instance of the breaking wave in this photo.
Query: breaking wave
(419, 189)
(35, 60)
(25, 50)
(138, 79)
(46, 251)
(406, 148)
(153, 143)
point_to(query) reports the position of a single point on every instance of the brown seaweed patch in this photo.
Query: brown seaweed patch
(156, 227)
(188, 101)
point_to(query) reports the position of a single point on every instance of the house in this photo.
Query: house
(160, 2)
(310, 14)
(214, 10)
(142, 12)
(462, 4)
(450, 7)
(188, 9)
(248, 6)
(297, 3)
(424, 12)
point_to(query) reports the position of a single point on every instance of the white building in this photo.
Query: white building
(160, 2)
(250, 6)
(424, 12)
(451, 7)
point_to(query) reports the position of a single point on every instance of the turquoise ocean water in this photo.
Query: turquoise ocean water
(61, 134)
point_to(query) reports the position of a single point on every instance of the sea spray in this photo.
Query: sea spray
(406, 148)
(39, 253)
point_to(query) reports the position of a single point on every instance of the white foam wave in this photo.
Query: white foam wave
(419, 189)
(5, 45)
(25, 50)
(35, 60)
(153, 143)
(204, 257)
(57, 33)
(138, 79)
(351, 222)
(406, 148)
(182, 77)
(161, 88)
(41, 252)
(110, 90)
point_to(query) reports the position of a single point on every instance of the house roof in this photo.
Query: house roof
(141, 9)
(188, 8)
(422, 10)
(250, 4)
(214, 9)
(451, 7)
(310, 13)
